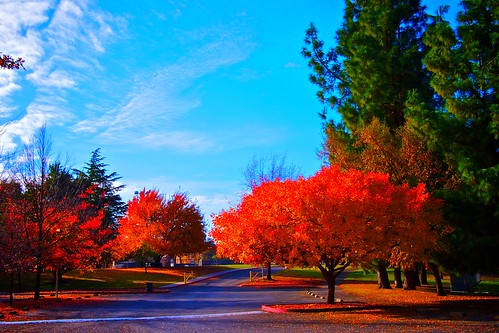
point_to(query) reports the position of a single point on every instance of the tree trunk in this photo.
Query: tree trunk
(38, 281)
(417, 281)
(329, 275)
(330, 270)
(269, 270)
(438, 280)
(331, 288)
(11, 289)
(157, 261)
(383, 280)
(424, 275)
(397, 276)
(410, 277)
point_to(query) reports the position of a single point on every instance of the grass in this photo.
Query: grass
(360, 275)
(136, 278)
(488, 285)
(411, 307)
(311, 273)
(109, 279)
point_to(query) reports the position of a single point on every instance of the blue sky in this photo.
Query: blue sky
(178, 95)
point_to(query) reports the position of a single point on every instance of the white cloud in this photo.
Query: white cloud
(178, 140)
(7, 83)
(16, 35)
(37, 115)
(292, 65)
(59, 41)
(63, 42)
(45, 78)
(150, 114)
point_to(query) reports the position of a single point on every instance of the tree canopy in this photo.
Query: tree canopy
(105, 190)
(168, 227)
(417, 100)
(331, 220)
(46, 217)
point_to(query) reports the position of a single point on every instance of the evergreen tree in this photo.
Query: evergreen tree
(376, 64)
(373, 78)
(419, 101)
(464, 65)
(105, 196)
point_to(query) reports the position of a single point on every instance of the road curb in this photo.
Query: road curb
(272, 309)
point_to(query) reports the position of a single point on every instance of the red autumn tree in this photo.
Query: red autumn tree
(354, 217)
(15, 255)
(182, 229)
(57, 225)
(258, 230)
(172, 227)
(330, 220)
(61, 229)
(143, 211)
(75, 236)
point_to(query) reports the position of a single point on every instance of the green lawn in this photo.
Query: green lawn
(488, 285)
(313, 273)
(128, 278)
(101, 279)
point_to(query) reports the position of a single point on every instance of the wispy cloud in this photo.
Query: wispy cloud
(291, 65)
(65, 44)
(37, 114)
(250, 74)
(54, 37)
(151, 112)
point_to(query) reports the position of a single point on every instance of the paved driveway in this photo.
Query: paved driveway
(215, 305)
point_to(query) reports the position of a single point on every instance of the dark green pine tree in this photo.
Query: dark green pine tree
(376, 64)
(465, 64)
(105, 194)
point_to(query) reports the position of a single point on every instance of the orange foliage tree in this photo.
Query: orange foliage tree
(61, 231)
(401, 153)
(75, 236)
(257, 230)
(58, 227)
(143, 210)
(15, 256)
(172, 227)
(354, 217)
(329, 221)
(43, 228)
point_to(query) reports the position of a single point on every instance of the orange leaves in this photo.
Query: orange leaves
(143, 211)
(354, 215)
(170, 227)
(257, 231)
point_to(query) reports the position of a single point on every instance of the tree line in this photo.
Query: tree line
(416, 98)
(332, 220)
(59, 219)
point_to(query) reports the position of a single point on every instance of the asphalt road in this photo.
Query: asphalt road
(215, 305)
